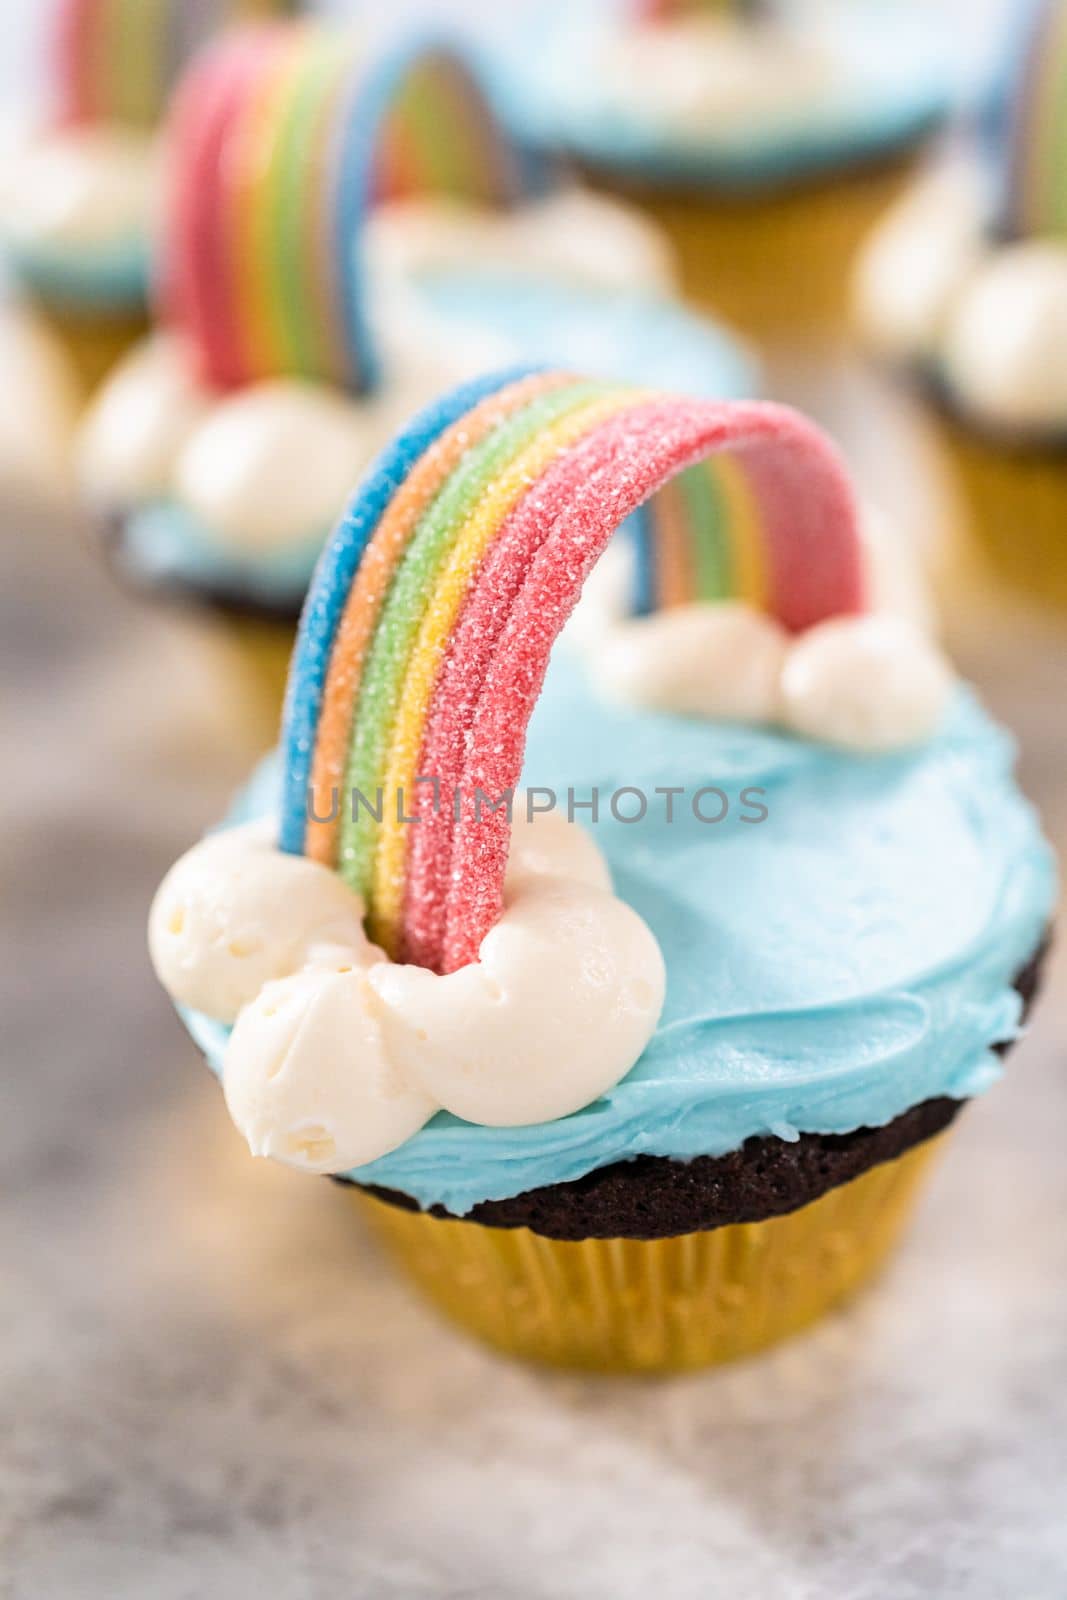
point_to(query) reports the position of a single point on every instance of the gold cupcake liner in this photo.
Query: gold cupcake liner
(260, 651)
(92, 344)
(1014, 503)
(776, 266)
(660, 1305)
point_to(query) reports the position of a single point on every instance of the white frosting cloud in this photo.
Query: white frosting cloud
(866, 683)
(338, 1055)
(38, 412)
(309, 1078)
(704, 660)
(272, 465)
(715, 75)
(264, 468)
(874, 682)
(917, 258)
(1005, 344)
(571, 235)
(931, 289)
(136, 427)
(86, 187)
(235, 913)
(275, 462)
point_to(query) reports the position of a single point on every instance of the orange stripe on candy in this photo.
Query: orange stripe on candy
(359, 619)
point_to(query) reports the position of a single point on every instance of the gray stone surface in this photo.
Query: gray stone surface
(212, 1385)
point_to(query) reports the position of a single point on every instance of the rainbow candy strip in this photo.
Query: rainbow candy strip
(665, 10)
(1034, 199)
(698, 539)
(118, 60)
(427, 630)
(284, 139)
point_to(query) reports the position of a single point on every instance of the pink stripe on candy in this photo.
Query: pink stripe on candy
(198, 292)
(529, 585)
(72, 42)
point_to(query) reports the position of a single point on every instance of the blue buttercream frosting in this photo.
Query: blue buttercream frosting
(105, 281)
(893, 86)
(631, 337)
(845, 958)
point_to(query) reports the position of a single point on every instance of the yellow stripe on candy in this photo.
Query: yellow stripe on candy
(751, 580)
(136, 48)
(248, 164)
(434, 634)
(325, 335)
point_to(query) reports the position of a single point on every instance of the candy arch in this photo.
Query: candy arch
(284, 140)
(1030, 130)
(429, 625)
(118, 60)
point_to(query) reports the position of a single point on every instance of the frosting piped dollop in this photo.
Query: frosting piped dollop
(337, 1055)
(570, 236)
(1005, 341)
(988, 320)
(85, 188)
(706, 75)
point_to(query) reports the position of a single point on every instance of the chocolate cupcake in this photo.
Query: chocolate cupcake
(636, 1067)
(963, 292)
(77, 193)
(346, 233)
(765, 137)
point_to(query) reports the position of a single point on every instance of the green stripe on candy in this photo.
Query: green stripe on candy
(292, 216)
(428, 135)
(405, 605)
(707, 515)
(1055, 203)
(135, 40)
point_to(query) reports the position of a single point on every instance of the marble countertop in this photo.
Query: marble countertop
(212, 1384)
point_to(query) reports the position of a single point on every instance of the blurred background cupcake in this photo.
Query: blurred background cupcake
(331, 259)
(77, 189)
(764, 136)
(963, 290)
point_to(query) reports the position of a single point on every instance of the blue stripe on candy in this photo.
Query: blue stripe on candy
(641, 533)
(354, 158)
(333, 579)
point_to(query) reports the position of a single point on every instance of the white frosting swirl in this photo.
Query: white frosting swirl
(38, 412)
(715, 76)
(866, 683)
(136, 427)
(338, 1055)
(875, 682)
(235, 913)
(699, 660)
(269, 466)
(1005, 343)
(571, 235)
(91, 188)
(916, 261)
(274, 462)
(932, 290)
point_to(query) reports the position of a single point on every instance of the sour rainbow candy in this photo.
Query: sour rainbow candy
(427, 630)
(1034, 199)
(284, 139)
(117, 60)
(665, 10)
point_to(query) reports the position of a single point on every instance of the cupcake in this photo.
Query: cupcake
(637, 1066)
(38, 414)
(764, 137)
(345, 235)
(77, 194)
(963, 289)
